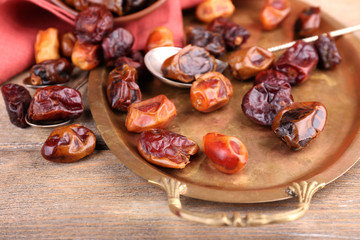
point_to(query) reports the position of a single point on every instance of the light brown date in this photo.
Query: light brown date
(47, 45)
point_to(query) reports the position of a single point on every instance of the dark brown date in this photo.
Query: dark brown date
(297, 62)
(270, 76)
(300, 123)
(188, 62)
(234, 35)
(67, 44)
(17, 100)
(308, 22)
(246, 63)
(210, 91)
(69, 144)
(122, 89)
(134, 58)
(211, 41)
(93, 24)
(166, 149)
(55, 103)
(51, 72)
(329, 55)
(263, 101)
(117, 44)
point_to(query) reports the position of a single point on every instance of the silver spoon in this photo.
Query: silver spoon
(59, 123)
(155, 58)
(27, 83)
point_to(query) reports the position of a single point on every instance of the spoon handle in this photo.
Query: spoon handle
(334, 33)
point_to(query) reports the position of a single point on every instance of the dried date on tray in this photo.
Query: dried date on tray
(117, 44)
(263, 101)
(270, 76)
(55, 103)
(122, 89)
(273, 13)
(308, 22)
(67, 44)
(165, 148)
(297, 62)
(51, 72)
(86, 56)
(188, 62)
(210, 91)
(69, 144)
(17, 100)
(210, 9)
(160, 37)
(299, 123)
(93, 24)
(211, 41)
(329, 55)
(227, 154)
(156, 112)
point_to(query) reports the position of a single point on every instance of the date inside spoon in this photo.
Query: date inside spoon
(156, 57)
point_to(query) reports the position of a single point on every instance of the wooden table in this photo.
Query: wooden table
(100, 198)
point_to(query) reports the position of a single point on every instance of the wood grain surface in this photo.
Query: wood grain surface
(99, 198)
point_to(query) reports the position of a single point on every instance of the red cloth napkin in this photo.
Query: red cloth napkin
(21, 20)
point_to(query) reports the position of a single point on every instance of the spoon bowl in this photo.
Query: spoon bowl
(155, 58)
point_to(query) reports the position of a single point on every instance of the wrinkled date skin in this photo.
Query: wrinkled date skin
(211, 41)
(51, 72)
(117, 44)
(273, 13)
(156, 112)
(234, 35)
(227, 154)
(160, 37)
(329, 55)
(263, 101)
(211, 9)
(46, 45)
(271, 77)
(69, 144)
(246, 63)
(210, 91)
(17, 100)
(188, 62)
(134, 59)
(122, 89)
(67, 44)
(86, 56)
(55, 103)
(300, 123)
(93, 24)
(308, 22)
(166, 149)
(297, 62)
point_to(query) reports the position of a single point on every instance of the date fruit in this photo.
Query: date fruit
(246, 63)
(234, 35)
(166, 149)
(210, 91)
(211, 41)
(297, 62)
(51, 72)
(329, 55)
(86, 56)
(67, 44)
(47, 45)
(271, 77)
(211, 9)
(17, 100)
(263, 101)
(188, 62)
(69, 144)
(300, 123)
(273, 13)
(93, 24)
(156, 112)
(308, 22)
(122, 89)
(227, 154)
(160, 37)
(134, 59)
(55, 103)
(117, 44)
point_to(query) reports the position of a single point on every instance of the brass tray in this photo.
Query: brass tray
(272, 167)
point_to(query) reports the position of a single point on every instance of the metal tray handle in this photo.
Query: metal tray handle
(303, 190)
